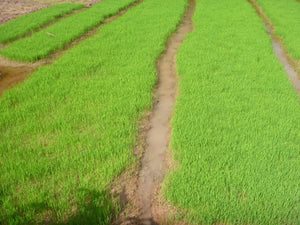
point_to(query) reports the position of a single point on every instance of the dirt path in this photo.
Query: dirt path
(154, 160)
(291, 65)
(12, 72)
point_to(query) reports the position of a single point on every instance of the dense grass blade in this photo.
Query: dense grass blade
(70, 129)
(24, 24)
(236, 130)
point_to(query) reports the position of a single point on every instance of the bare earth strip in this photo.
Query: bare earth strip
(12, 72)
(154, 163)
(11, 9)
(290, 65)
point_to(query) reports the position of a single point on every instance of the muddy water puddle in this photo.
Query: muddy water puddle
(10, 76)
(154, 164)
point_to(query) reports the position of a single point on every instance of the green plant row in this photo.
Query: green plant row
(43, 43)
(70, 129)
(236, 130)
(33, 21)
(285, 17)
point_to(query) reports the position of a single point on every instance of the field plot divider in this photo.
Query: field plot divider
(156, 162)
(290, 64)
(22, 70)
(38, 47)
(42, 27)
(54, 56)
(26, 24)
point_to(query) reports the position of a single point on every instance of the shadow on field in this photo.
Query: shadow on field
(94, 207)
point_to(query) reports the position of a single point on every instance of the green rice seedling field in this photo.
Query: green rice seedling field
(24, 24)
(236, 129)
(70, 129)
(41, 44)
(285, 17)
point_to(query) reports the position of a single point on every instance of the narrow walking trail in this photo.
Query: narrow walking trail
(290, 64)
(157, 140)
(13, 72)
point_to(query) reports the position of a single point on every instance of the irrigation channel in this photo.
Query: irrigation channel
(12, 72)
(154, 160)
(290, 65)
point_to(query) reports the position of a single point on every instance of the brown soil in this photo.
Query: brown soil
(154, 162)
(290, 70)
(145, 204)
(11, 9)
(12, 72)
(291, 65)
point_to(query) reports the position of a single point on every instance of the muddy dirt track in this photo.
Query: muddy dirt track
(154, 163)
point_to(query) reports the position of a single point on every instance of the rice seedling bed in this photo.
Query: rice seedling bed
(24, 24)
(70, 129)
(236, 136)
(285, 17)
(43, 43)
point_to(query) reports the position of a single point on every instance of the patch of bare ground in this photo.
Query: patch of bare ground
(12, 72)
(11, 9)
(147, 205)
(291, 65)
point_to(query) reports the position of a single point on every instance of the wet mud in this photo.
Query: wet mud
(154, 163)
(13, 72)
(291, 65)
(11, 76)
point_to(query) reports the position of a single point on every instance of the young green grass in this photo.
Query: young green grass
(69, 130)
(285, 17)
(24, 24)
(41, 44)
(236, 130)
